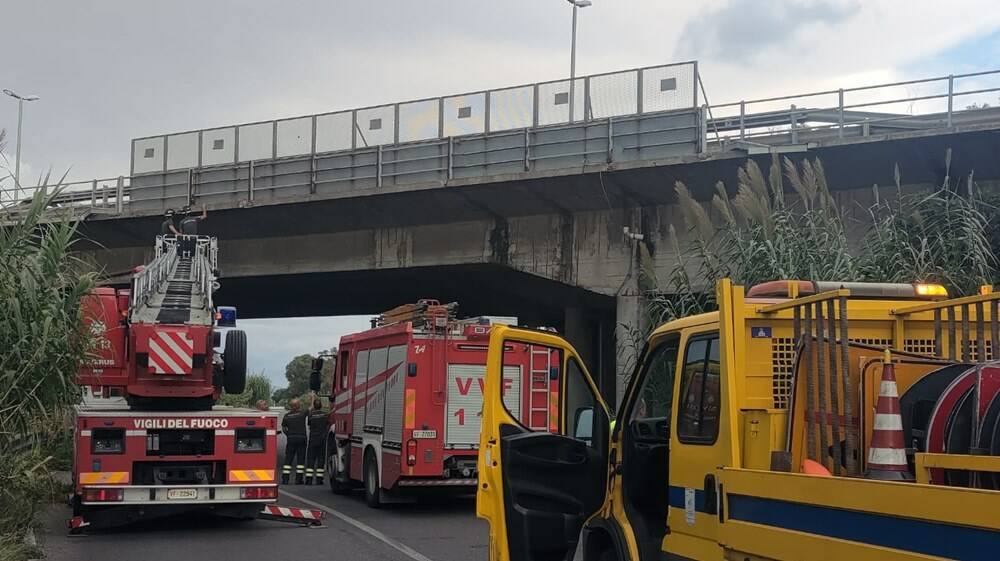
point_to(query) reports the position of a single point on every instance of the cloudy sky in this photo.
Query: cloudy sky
(109, 71)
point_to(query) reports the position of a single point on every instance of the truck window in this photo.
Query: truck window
(342, 365)
(581, 405)
(532, 376)
(698, 415)
(651, 412)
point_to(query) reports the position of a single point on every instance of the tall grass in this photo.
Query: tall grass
(42, 339)
(787, 225)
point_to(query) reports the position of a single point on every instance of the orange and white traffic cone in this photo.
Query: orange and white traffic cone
(887, 453)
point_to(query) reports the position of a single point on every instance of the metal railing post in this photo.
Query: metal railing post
(840, 113)
(743, 113)
(120, 195)
(527, 153)
(638, 93)
(274, 140)
(588, 109)
(378, 166)
(93, 193)
(250, 180)
(694, 70)
(794, 132)
(440, 117)
(534, 107)
(395, 123)
(312, 158)
(611, 140)
(451, 156)
(236, 145)
(190, 186)
(355, 129)
(703, 129)
(951, 96)
(486, 115)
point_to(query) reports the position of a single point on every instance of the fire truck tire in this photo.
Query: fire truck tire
(373, 491)
(235, 361)
(340, 483)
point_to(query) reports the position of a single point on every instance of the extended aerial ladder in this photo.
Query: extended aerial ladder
(161, 335)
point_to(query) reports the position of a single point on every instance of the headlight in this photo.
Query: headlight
(107, 441)
(250, 440)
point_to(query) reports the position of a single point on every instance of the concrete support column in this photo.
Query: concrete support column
(629, 331)
(591, 331)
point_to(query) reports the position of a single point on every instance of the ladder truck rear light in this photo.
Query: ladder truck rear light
(103, 495)
(259, 493)
(411, 452)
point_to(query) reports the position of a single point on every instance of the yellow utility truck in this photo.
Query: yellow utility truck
(801, 421)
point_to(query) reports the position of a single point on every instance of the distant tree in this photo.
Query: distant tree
(297, 373)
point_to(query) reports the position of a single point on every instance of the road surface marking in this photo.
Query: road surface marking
(398, 546)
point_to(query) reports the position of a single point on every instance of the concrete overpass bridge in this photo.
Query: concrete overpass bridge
(499, 199)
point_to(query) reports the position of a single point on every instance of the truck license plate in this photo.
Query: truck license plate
(425, 434)
(182, 494)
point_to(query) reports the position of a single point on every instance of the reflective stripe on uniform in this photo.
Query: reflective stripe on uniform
(286, 469)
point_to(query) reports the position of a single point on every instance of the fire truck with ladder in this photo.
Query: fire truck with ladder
(149, 439)
(407, 401)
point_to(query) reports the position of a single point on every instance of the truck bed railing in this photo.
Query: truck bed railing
(819, 321)
(954, 322)
(958, 330)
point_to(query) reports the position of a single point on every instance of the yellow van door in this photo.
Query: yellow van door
(538, 486)
(701, 436)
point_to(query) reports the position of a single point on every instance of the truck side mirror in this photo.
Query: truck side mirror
(314, 381)
(583, 425)
(317, 364)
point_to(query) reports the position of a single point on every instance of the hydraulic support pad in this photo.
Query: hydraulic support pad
(77, 524)
(301, 516)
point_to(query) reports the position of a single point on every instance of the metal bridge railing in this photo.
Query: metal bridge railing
(499, 130)
(644, 90)
(911, 104)
(108, 195)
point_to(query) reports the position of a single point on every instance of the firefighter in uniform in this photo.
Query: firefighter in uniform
(316, 452)
(294, 427)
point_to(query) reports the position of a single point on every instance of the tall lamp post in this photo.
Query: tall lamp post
(572, 57)
(17, 155)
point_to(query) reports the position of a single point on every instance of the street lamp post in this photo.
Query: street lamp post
(17, 154)
(572, 57)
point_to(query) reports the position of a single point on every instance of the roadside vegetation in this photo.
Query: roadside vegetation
(42, 338)
(258, 388)
(786, 224)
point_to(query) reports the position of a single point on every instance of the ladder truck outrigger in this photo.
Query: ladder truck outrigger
(148, 438)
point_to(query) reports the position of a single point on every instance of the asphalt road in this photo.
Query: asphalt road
(438, 530)
(433, 529)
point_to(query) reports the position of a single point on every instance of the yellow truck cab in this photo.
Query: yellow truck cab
(756, 433)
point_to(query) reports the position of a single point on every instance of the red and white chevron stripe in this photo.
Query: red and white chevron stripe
(171, 352)
(288, 512)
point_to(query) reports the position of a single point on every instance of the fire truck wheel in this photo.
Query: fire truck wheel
(340, 482)
(373, 492)
(235, 360)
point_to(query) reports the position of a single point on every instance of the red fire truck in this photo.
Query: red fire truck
(407, 401)
(148, 439)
